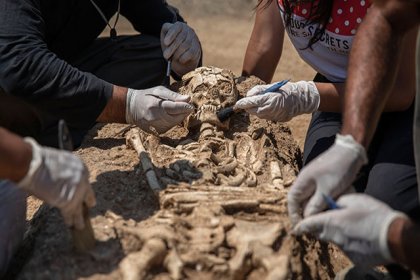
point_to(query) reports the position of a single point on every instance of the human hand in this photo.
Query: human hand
(331, 173)
(359, 228)
(180, 43)
(60, 179)
(291, 100)
(156, 107)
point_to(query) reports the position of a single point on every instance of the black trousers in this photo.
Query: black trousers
(129, 61)
(390, 175)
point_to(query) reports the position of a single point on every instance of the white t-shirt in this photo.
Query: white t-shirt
(329, 55)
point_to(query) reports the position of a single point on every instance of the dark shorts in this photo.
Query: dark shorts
(390, 175)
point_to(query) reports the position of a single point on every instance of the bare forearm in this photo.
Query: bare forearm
(266, 42)
(15, 156)
(259, 64)
(330, 94)
(404, 245)
(115, 109)
(372, 71)
(373, 67)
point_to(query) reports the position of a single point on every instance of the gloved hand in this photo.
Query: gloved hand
(60, 179)
(156, 107)
(359, 228)
(331, 173)
(180, 43)
(292, 99)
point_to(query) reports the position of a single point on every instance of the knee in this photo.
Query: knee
(396, 185)
(317, 148)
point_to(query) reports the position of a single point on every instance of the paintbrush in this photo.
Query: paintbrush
(227, 112)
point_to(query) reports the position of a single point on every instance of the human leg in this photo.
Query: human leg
(321, 131)
(392, 177)
(12, 222)
(321, 134)
(130, 61)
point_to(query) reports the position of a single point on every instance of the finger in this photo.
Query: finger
(252, 111)
(315, 205)
(172, 33)
(177, 119)
(165, 28)
(299, 193)
(175, 108)
(356, 200)
(171, 50)
(266, 110)
(90, 199)
(256, 90)
(250, 102)
(264, 113)
(294, 209)
(183, 47)
(314, 224)
(67, 217)
(78, 220)
(167, 94)
(191, 55)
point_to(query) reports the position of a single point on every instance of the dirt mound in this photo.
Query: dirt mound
(206, 201)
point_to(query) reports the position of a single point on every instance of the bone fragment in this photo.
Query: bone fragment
(136, 265)
(133, 139)
(290, 175)
(225, 168)
(276, 175)
(231, 149)
(174, 264)
(251, 180)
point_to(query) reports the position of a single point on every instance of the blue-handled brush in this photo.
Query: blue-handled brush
(332, 205)
(226, 113)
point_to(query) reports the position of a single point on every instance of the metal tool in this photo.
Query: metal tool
(84, 240)
(226, 113)
(64, 137)
(167, 80)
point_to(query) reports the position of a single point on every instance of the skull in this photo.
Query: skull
(210, 89)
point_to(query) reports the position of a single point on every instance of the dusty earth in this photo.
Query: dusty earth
(204, 223)
(205, 200)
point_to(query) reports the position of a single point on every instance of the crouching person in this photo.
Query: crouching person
(59, 178)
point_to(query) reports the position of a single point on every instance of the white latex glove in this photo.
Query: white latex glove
(60, 179)
(156, 107)
(291, 100)
(359, 228)
(180, 44)
(331, 173)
